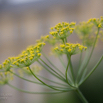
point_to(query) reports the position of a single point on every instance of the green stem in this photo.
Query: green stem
(52, 81)
(89, 55)
(53, 70)
(77, 76)
(80, 60)
(49, 71)
(36, 82)
(81, 96)
(80, 69)
(61, 60)
(67, 71)
(94, 44)
(92, 49)
(83, 75)
(52, 64)
(66, 40)
(92, 70)
(44, 82)
(65, 68)
(25, 78)
(71, 68)
(34, 92)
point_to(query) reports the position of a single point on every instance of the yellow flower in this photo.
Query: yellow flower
(62, 30)
(99, 26)
(69, 48)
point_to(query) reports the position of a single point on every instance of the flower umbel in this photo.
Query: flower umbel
(69, 48)
(5, 77)
(25, 59)
(62, 30)
(89, 32)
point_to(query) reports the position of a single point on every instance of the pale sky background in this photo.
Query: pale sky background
(19, 1)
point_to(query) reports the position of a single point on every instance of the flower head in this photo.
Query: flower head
(26, 58)
(69, 48)
(87, 31)
(5, 77)
(62, 30)
(49, 39)
(30, 55)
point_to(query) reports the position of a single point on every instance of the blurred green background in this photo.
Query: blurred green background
(22, 22)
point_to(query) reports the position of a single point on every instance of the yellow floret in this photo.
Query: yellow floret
(61, 50)
(27, 68)
(39, 54)
(71, 31)
(31, 58)
(43, 43)
(51, 28)
(37, 51)
(0, 66)
(55, 48)
(62, 45)
(69, 50)
(47, 36)
(99, 26)
(81, 48)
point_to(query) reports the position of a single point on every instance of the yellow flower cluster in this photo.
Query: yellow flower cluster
(48, 39)
(5, 77)
(6, 64)
(87, 31)
(98, 22)
(69, 48)
(62, 30)
(26, 58)
(59, 33)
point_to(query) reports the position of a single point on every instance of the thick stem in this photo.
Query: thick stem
(81, 96)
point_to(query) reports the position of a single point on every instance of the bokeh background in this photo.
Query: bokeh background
(22, 22)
